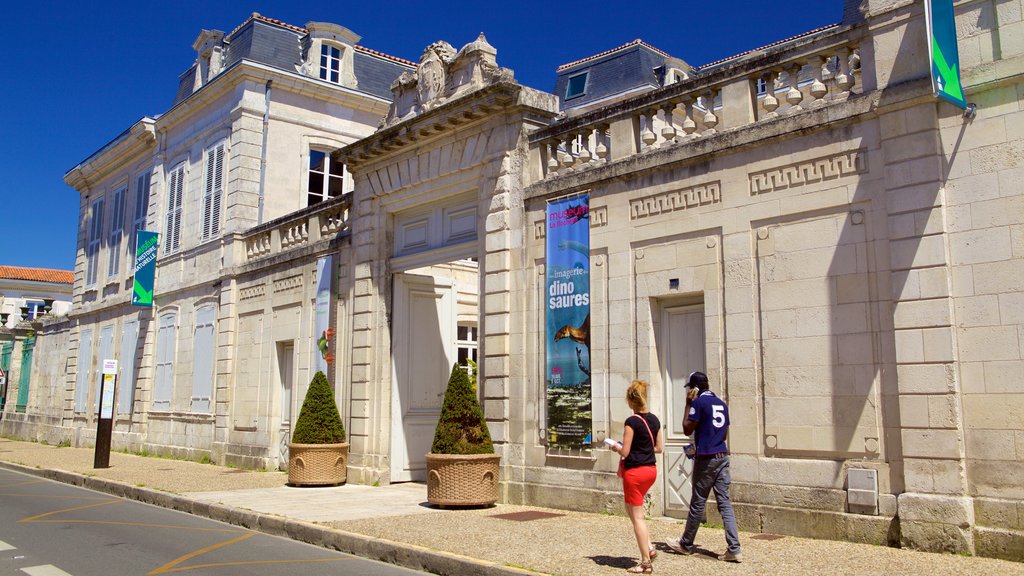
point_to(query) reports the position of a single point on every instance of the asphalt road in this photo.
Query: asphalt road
(53, 529)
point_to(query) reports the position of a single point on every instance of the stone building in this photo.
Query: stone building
(246, 141)
(838, 250)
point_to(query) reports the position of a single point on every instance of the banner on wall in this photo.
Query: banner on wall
(145, 268)
(567, 322)
(322, 332)
(943, 53)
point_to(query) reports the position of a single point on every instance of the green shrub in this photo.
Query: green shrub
(461, 428)
(319, 421)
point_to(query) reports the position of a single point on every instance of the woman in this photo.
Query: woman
(640, 442)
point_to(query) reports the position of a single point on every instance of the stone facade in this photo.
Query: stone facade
(840, 252)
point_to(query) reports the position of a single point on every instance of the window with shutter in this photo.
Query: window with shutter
(175, 192)
(116, 231)
(166, 344)
(204, 355)
(126, 365)
(106, 351)
(82, 378)
(93, 248)
(213, 190)
(141, 206)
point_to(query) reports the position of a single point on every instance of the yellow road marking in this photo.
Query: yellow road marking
(52, 497)
(25, 483)
(83, 507)
(169, 567)
(248, 563)
(137, 524)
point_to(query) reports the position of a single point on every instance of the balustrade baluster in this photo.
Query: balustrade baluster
(794, 96)
(567, 158)
(771, 103)
(553, 158)
(647, 136)
(709, 120)
(584, 155)
(818, 89)
(689, 126)
(668, 132)
(844, 77)
(601, 138)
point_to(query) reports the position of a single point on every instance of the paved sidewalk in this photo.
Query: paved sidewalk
(394, 524)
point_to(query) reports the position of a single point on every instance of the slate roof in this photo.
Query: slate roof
(279, 44)
(47, 275)
(628, 67)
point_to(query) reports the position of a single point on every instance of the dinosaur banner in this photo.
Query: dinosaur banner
(567, 338)
(322, 316)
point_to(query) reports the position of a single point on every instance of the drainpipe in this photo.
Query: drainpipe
(263, 151)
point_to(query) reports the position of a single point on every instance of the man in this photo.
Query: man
(707, 419)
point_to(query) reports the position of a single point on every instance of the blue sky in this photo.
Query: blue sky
(79, 73)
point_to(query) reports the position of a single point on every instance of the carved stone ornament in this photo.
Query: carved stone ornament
(443, 75)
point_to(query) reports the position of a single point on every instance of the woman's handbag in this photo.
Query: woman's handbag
(622, 461)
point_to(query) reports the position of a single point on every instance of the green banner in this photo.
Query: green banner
(942, 51)
(145, 268)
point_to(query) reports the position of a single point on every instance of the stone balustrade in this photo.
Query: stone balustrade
(298, 229)
(771, 84)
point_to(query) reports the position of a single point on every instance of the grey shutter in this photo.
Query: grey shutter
(175, 192)
(213, 191)
(106, 353)
(95, 230)
(116, 230)
(126, 366)
(82, 377)
(166, 342)
(203, 354)
(218, 190)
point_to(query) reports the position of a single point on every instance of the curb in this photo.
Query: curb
(396, 553)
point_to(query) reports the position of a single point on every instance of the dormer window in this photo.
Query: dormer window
(330, 63)
(577, 86)
(335, 45)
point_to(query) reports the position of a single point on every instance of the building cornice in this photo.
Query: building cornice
(248, 70)
(500, 97)
(132, 142)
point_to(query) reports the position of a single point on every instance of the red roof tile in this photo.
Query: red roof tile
(258, 16)
(766, 46)
(606, 52)
(37, 274)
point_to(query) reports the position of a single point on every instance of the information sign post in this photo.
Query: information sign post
(105, 422)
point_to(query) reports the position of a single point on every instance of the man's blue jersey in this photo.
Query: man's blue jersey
(712, 418)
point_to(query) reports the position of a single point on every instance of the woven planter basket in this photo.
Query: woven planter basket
(462, 480)
(317, 464)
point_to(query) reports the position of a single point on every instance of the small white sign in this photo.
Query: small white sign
(107, 401)
(110, 366)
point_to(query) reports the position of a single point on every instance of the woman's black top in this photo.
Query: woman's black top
(641, 453)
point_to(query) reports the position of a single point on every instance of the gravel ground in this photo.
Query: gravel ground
(176, 476)
(583, 544)
(571, 544)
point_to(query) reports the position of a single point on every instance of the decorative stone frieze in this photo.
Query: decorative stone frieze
(700, 195)
(809, 172)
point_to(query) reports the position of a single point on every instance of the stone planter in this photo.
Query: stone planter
(462, 480)
(317, 464)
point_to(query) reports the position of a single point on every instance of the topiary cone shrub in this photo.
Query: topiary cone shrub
(318, 453)
(319, 421)
(461, 428)
(462, 468)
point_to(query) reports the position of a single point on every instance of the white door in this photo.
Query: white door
(682, 351)
(285, 370)
(423, 350)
